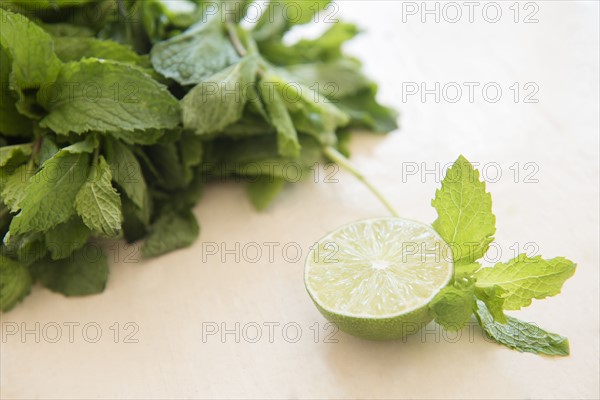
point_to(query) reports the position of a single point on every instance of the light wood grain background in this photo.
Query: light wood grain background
(175, 299)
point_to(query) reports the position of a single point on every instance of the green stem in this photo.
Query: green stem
(123, 15)
(343, 162)
(235, 39)
(238, 44)
(37, 145)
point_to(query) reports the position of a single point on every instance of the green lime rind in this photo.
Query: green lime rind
(391, 328)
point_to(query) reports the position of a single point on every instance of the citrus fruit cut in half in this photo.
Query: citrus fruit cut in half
(375, 278)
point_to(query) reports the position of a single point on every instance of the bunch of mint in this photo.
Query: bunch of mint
(113, 113)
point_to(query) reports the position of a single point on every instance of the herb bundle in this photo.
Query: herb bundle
(114, 113)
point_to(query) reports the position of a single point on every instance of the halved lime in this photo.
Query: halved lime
(375, 278)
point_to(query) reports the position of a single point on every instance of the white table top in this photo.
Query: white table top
(173, 300)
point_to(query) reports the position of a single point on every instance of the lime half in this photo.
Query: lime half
(375, 278)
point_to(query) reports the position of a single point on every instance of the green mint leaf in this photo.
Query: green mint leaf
(167, 166)
(64, 239)
(31, 50)
(274, 21)
(15, 282)
(98, 203)
(127, 172)
(171, 231)
(525, 278)
(466, 271)
(77, 48)
(135, 220)
(62, 29)
(123, 99)
(159, 17)
(195, 55)
(220, 99)
(256, 155)
(143, 137)
(334, 80)
(15, 187)
(50, 195)
(30, 248)
(48, 149)
(88, 145)
(465, 220)
(15, 155)
(327, 47)
(85, 272)
(192, 150)
(493, 297)
(11, 122)
(287, 137)
(311, 112)
(520, 335)
(365, 112)
(41, 4)
(263, 190)
(452, 307)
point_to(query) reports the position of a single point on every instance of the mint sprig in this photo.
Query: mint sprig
(465, 221)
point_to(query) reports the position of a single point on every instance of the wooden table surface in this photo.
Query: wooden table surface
(199, 323)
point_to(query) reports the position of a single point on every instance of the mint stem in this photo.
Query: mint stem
(235, 39)
(343, 162)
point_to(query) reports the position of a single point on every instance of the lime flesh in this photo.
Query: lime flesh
(375, 278)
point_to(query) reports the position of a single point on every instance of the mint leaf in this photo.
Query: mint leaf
(30, 49)
(47, 150)
(192, 57)
(192, 150)
(465, 220)
(88, 145)
(263, 190)
(11, 122)
(274, 21)
(51, 193)
(525, 278)
(287, 137)
(465, 271)
(327, 47)
(15, 282)
(522, 336)
(15, 155)
(118, 97)
(85, 272)
(65, 238)
(167, 166)
(29, 247)
(62, 29)
(98, 203)
(77, 48)
(452, 307)
(143, 137)
(493, 297)
(311, 112)
(127, 172)
(220, 99)
(334, 80)
(42, 4)
(365, 112)
(15, 187)
(171, 231)
(135, 220)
